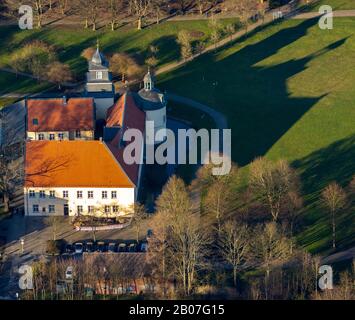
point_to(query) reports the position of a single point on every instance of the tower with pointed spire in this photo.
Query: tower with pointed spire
(153, 103)
(99, 83)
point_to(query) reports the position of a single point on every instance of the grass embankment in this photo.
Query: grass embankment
(288, 92)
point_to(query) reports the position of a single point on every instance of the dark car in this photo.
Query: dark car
(132, 247)
(68, 249)
(78, 248)
(89, 247)
(101, 246)
(122, 247)
(149, 233)
(111, 247)
(143, 247)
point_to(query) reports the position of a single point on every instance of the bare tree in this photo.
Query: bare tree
(269, 248)
(94, 10)
(245, 9)
(272, 183)
(140, 9)
(234, 243)
(186, 240)
(219, 201)
(158, 255)
(11, 177)
(63, 6)
(139, 215)
(125, 66)
(334, 198)
(184, 39)
(59, 73)
(114, 7)
(157, 8)
(54, 223)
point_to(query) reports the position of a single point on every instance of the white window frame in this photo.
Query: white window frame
(99, 75)
(32, 194)
(104, 194)
(79, 194)
(51, 208)
(35, 208)
(65, 194)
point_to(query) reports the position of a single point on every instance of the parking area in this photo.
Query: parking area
(36, 231)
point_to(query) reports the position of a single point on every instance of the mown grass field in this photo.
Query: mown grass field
(70, 41)
(288, 92)
(10, 83)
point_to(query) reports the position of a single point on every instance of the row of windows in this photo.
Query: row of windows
(79, 194)
(91, 209)
(59, 135)
(51, 208)
(80, 209)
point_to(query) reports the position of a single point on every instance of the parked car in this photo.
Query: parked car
(79, 248)
(122, 247)
(144, 247)
(149, 233)
(89, 247)
(111, 247)
(101, 246)
(69, 273)
(68, 249)
(132, 247)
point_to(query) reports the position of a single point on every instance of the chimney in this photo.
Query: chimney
(64, 100)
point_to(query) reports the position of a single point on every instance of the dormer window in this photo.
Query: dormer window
(35, 121)
(99, 75)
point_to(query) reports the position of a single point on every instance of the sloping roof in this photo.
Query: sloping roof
(72, 164)
(55, 115)
(115, 113)
(127, 115)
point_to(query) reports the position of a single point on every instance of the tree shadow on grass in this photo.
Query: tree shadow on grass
(319, 169)
(255, 99)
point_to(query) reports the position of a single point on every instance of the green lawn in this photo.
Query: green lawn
(70, 42)
(10, 83)
(288, 92)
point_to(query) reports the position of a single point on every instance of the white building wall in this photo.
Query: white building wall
(125, 198)
(84, 135)
(159, 118)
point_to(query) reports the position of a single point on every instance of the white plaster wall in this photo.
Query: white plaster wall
(125, 198)
(85, 135)
(159, 118)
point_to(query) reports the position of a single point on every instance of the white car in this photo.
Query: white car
(79, 248)
(69, 273)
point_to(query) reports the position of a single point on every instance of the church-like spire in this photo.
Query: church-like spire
(97, 58)
(148, 81)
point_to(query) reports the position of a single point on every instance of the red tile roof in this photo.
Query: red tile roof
(73, 164)
(125, 111)
(115, 114)
(54, 115)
